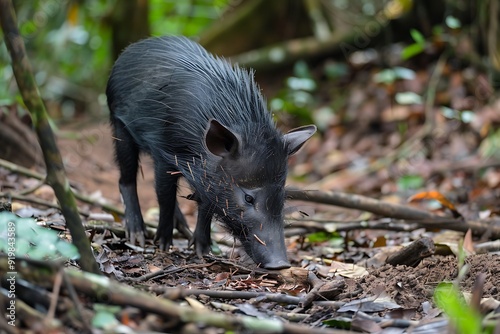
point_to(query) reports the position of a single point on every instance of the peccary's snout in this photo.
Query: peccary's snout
(277, 264)
(267, 247)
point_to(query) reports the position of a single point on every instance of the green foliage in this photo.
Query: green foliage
(105, 318)
(490, 146)
(23, 237)
(465, 116)
(188, 18)
(415, 48)
(410, 182)
(339, 323)
(297, 97)
(464, 318)
(69, 45)
(335, 239)
(335, 70)
(438, 33)
(406, 98)
(452, 22)
(390, 75)
(447, 296)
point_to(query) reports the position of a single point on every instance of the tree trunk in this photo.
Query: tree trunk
(129, 22)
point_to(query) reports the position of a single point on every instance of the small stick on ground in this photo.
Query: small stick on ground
(412, 254)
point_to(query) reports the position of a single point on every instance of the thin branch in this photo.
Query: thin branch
(359, 202)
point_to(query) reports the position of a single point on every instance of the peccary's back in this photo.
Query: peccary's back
(165, 90)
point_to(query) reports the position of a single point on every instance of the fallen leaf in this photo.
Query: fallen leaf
(437, 196)
(348, 270)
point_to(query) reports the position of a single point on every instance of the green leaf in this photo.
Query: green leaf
(410, 182)
(340, 323)
(490, 146)
(32, 240)
(404, 73)
(417, 36)
(412, 50)
(452, 22)
(68, 250)
(304, 84)
(104, 320)
(467, 116)
(386, 76)
(408, 98)
(323, 236)
(450, 300)
(301, 70)
(336, 70)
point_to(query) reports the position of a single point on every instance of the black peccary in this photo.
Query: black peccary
(204, 119)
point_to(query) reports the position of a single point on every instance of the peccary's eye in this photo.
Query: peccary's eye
(249, 199)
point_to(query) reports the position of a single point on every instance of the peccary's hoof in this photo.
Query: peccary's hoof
(137, 236)
(163, 244)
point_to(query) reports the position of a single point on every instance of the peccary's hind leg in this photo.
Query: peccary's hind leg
(127, 157)
(180, 222)
(166, 191)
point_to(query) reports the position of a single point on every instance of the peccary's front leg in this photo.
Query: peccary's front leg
(133, 216)
(201, 236)
(127, 157)
(166, 191)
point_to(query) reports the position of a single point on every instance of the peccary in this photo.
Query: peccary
(201, 118)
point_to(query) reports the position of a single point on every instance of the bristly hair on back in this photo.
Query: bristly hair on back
(187, 88)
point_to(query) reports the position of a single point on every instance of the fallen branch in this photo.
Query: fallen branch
(413, 254)
(359, 202)
(325, 290)
(177, 293)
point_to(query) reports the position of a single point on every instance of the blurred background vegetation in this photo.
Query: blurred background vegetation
(73, 43)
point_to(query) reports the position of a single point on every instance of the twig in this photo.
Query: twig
(36, 201)
(262, 296)
(76, 302)
(20, 170)
(27, 172)
(32, 189)
(56, 288)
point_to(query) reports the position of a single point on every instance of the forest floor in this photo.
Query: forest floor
(432, 158)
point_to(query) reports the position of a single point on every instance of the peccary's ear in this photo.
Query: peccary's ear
(220, 140)
(295, 138)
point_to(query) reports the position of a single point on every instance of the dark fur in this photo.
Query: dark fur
(163, 93)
